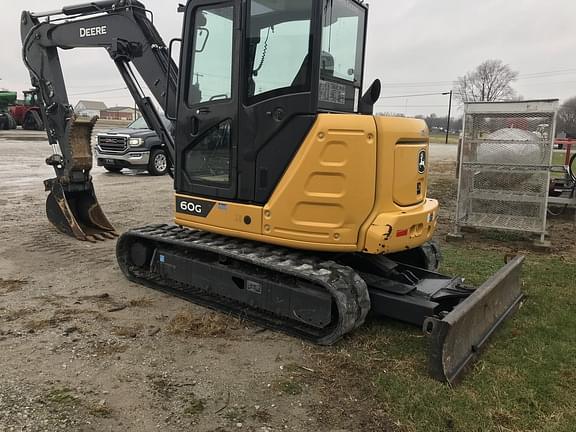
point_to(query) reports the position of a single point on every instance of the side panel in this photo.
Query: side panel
(410, 159)
(402, 218)
(329, 189)
(238, 220)
(322, 200)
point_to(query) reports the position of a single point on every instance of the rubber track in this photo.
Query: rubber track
(347, 288)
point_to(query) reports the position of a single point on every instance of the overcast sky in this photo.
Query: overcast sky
(414, 47)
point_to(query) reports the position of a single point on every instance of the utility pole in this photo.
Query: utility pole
(449, 113)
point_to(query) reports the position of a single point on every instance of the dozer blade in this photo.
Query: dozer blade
(456, 341)
(77, 213)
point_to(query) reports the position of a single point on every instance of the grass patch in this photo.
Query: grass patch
(288, 387)
(524, 381)
(559, 157)
(127, 331)
(142, 302)
(60, 396)
(201, 324)
(504, 236)
(100, 410)
(440, 138)
(101, 348)
(59, 317)
(235, 415)
(194, 407)
(261, 415)
(8, 286)
(162, 386)
(64, 404)
(558, 160)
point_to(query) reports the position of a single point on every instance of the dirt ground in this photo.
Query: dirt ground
(83, 349)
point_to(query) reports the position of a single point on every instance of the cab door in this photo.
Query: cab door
(207, 137)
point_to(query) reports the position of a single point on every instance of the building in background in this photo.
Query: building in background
(120, 113)
(90, 108)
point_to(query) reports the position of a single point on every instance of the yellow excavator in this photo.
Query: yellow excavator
(296, 207)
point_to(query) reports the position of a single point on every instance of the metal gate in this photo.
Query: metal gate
(505, 159)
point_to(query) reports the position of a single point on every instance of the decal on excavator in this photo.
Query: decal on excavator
(422, 162)
(194, 207)
(93, 31)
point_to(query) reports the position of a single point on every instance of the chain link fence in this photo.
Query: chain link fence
(504, 167)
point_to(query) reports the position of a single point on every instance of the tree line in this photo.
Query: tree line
(492, 81)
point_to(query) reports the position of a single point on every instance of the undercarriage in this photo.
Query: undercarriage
(321, 298)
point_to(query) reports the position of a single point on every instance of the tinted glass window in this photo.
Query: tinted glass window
(343, 40)
(209, 160)
(279, 45)
(139, 124)
(211, 77)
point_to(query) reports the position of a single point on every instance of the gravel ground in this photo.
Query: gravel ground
(81, 348)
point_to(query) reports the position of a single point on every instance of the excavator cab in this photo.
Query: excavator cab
(254, 76)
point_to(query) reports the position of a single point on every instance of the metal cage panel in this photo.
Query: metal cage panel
(505, 163)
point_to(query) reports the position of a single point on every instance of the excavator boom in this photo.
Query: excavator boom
(125, 29)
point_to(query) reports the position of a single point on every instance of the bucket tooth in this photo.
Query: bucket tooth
(457, 340)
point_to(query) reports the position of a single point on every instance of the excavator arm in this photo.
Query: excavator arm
(125, 29)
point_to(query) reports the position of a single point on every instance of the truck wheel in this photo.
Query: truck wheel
(158, 165)
(112, 169)
(32, 121)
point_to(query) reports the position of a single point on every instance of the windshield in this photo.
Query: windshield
(279, 46)
(30, 98)
(139, 124)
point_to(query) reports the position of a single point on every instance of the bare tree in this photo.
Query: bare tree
(489, 82)
(567, 117)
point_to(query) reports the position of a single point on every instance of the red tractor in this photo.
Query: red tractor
(27, 112)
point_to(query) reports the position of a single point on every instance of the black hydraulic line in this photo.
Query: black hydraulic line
(80, 9)
(146, 107)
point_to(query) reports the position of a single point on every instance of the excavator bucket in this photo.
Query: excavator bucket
(78, 214)
(72, 206)
(456, 341)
